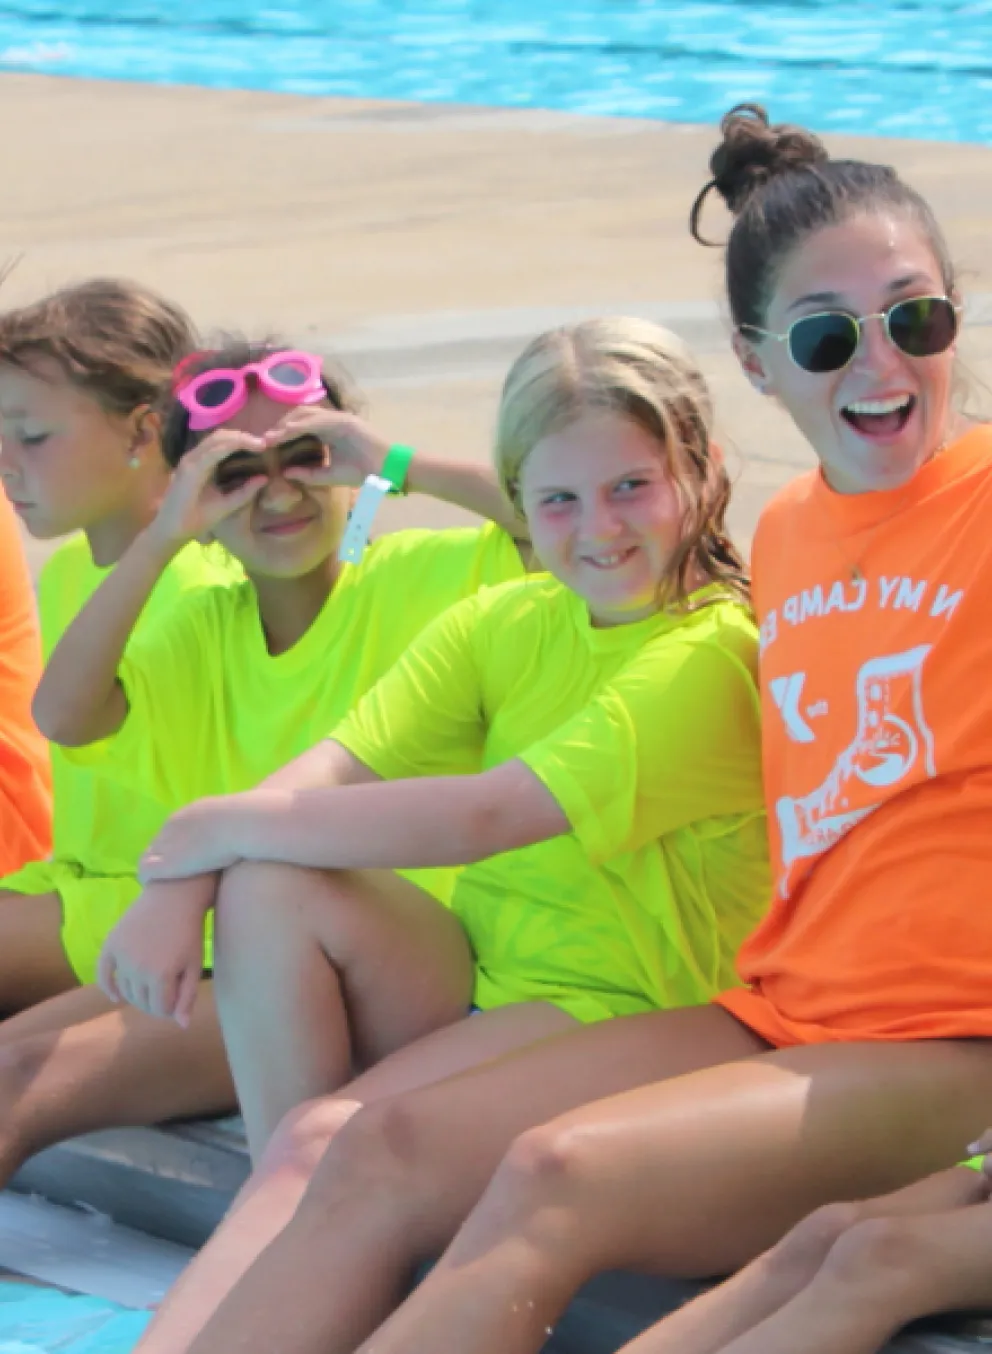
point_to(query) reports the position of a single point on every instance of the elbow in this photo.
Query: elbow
(503, 816)
(57, 722)
(54, 724)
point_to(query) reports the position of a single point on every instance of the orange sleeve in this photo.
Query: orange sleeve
(25, 778)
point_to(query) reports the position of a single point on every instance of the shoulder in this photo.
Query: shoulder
(72, 556)
(67, 577)
(202, 615)
(487, 548)
(199, 566)
(713, 644)
(522, 600)
(786, 507)
(397, 548)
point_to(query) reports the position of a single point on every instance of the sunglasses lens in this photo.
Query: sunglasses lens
(212, 394)
(291, 374)
(923, 326)
(820, 343)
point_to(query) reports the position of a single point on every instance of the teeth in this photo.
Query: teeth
(606, 560)
(879, 406)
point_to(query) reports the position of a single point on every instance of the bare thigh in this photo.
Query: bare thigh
(695, 1176)
(33, 964)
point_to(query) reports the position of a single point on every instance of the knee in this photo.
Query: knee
(304, 1136)
(252, 896)
(21, 1061)
(380, 1149)
(803, 1250)
(875, 1256)
(551, 1163)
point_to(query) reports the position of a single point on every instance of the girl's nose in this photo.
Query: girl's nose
(600, 520)
(280, 494)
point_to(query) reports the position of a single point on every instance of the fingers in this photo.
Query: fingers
(106, 974)
(189, 987)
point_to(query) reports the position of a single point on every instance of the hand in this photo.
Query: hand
(153, 958)
(355, 450)
(194, 504)
(201, 837)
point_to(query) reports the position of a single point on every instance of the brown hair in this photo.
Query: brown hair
(781, 185)
(235, 352)
(645, 373)
(113, 339)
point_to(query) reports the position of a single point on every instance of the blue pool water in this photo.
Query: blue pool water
(33, 1320)
(901, 69)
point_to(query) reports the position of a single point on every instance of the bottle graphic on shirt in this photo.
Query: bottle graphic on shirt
(886, 747)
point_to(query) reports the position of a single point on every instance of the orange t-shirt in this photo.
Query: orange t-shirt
(25, 777)
(876, 626)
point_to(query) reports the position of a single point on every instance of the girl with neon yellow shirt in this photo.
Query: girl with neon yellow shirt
(584, 744)
(229, 681)
(84, 375)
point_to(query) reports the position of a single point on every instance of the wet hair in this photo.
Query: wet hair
(115, 340)
(644, 373)
(781, 186)
(234, 352)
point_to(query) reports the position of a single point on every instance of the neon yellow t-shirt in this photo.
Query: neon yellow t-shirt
(99, 828)
(212, 712)
(648, 737)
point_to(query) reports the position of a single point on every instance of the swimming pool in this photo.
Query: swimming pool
(900, 69)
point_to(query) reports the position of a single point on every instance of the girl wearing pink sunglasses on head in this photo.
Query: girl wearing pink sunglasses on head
(235, 682)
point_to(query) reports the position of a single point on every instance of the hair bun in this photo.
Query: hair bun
(752, 152)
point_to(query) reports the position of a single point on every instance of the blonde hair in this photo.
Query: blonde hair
(644, 373)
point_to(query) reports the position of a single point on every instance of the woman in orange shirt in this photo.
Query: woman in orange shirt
(25, 790)
(856, 1056)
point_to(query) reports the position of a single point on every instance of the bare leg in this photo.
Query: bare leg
(33, 965)
(270, 1197)
(402, 1174)
(690, 1178)
(97, 1065)
(717, 1318)
(879, 1276)
(353, 966)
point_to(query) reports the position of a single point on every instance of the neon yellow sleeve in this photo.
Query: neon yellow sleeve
(424, 717)
(673, 739)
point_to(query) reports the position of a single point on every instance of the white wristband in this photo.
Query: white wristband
(356, 535)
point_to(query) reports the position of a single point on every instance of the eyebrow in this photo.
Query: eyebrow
(646, 469)
(834, 298)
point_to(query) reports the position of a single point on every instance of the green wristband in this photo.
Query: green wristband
(396, 466)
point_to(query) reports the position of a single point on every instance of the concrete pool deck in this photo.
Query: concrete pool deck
(425, 243)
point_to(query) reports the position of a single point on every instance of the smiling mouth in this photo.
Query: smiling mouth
(290, 528)
(612, 560)
(879, 418)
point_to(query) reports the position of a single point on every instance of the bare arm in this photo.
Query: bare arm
(79, 699)
(468, 485)
(323, 766)
(357, 450)
(402, 824)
